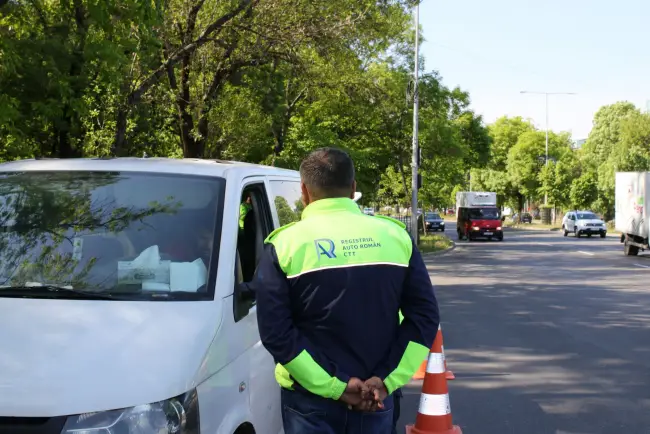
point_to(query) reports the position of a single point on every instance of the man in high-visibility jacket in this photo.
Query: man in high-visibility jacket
(329, 290)
(244, 209)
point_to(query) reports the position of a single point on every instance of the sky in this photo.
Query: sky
(494, 49)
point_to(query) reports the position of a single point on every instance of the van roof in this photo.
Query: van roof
(189, 166)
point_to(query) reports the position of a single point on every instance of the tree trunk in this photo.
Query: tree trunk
(153, 78)
(120, 131)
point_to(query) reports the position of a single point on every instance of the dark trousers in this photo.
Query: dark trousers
(397, 398)
(304, 413)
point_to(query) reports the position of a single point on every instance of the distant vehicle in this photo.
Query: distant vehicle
(369, 211)
(526, 218)
(632, 211)
(583, 223)
(433, 222)
(478, 216)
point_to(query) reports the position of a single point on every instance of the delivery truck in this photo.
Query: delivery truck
(632, 210)
(477, 216)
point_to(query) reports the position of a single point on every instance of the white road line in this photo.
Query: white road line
(586, 253)
(642, 266)
(545, 244)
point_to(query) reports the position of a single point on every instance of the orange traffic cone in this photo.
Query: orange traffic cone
(419, 374)
(448, 374)
(434, 413)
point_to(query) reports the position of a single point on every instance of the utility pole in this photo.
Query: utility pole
(416, 150)
(546, 94)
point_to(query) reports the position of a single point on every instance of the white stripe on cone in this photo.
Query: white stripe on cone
(434, 405)
(436, 364)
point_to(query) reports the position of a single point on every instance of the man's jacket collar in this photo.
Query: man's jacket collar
(325, 206)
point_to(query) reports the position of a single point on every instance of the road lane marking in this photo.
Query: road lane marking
(545, 244)
(642, 266)
(586, 253)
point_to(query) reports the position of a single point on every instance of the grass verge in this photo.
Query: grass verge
(434, 243)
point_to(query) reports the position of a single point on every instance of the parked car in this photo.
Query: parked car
(526, 218)
(433, 222)
(583, 223)
(124, 307)
(369, 211)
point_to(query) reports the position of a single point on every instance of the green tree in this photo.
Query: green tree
(527, 158)
(505, 133)
(584, 190)
(605, 134)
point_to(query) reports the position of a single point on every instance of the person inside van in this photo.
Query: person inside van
(244, 208)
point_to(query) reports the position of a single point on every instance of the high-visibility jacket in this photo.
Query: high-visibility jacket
(244, 208)
(329, 293)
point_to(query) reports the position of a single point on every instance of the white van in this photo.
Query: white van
(119, 304)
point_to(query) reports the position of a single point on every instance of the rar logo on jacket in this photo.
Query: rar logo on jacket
(325, 247)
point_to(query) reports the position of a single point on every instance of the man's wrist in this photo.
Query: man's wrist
(390, 385)
(337, 389)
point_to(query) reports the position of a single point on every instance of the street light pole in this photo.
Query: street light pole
(416, 105)
(546, 156)
(546, 94)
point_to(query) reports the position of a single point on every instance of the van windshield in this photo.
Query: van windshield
(122, 234)
(483, 213)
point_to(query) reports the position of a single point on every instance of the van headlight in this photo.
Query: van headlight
(178, 415)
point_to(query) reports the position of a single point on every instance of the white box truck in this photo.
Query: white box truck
(477, 216)
(632, 210)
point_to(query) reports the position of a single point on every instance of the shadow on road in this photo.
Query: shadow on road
(544, 340)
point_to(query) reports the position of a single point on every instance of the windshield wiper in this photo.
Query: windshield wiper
(53, 291)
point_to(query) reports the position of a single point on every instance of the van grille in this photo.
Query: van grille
(31, 425)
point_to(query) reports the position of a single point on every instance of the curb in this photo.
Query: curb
(441, 252)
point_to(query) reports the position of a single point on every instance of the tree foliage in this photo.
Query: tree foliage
(266, 81)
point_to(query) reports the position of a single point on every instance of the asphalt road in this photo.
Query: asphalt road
(546, 335)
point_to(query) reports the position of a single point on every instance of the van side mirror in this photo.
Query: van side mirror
(245, 292)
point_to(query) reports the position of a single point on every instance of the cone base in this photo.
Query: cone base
(450, 375)
(411, 429)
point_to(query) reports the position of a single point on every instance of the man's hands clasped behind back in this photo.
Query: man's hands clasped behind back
(366, 395)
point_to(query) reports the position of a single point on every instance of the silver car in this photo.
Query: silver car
(581, 223)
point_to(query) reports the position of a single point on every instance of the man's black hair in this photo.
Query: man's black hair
(328, 173)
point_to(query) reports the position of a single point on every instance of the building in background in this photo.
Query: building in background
(577, 144)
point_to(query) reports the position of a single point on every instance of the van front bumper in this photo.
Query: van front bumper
(486, 233)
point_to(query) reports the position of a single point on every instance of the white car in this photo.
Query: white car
(121, 304)
(583, 223)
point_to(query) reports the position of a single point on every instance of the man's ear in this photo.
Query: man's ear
(305, 194)
(354, 189)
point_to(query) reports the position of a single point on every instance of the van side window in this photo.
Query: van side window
(287, 199)
(254, 225)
